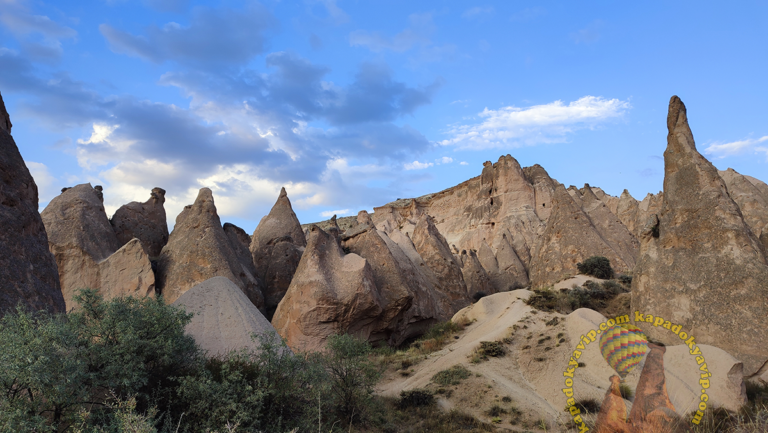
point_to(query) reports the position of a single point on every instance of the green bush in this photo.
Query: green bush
(597, 266)
(415, 398)
(56, 366)
(451, 376)
(351, 375)
(492, 348)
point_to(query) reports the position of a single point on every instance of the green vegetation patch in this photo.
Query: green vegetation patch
(451, 376)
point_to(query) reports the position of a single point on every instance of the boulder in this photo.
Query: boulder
(28, 273)
(330, 293)
(88, 253)
(224, 318)
(144, 221)
(198, 249)
(445, 272)
(477, 280)
(77, 217)
(569, 238)
(700, 265)
(276, 248)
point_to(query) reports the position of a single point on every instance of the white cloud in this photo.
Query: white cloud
(721, 150)
(330, 213)
(547, 123)
(444, 160)
(46, 183)
(416, 165)
(463, 163)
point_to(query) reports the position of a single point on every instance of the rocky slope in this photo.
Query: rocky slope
(28, 273)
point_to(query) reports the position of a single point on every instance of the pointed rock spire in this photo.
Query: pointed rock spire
(276, 247)
(701, 266)
(199, 249)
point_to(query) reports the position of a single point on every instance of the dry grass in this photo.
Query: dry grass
(433, 340)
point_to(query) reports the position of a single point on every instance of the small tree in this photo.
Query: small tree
(597, 266)
(352, 376)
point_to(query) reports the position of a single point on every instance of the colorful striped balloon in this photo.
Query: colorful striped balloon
(623, 347)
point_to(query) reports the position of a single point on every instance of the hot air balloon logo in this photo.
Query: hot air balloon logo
(623, 347)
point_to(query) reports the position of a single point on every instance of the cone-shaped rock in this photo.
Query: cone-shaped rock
(651, 410)
(395, 279)
(446, 272)
(568, 239)
(331, 293)
(240, 242)
(611, 229)
(475, 277)
(224, 318)
(626, 210)
(276, 249)
(144, 221)
(198, 249)
(28, 272)
(700, 265)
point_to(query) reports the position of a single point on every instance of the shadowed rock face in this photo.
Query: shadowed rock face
(706, 270)
(610, 228)
(330, 293)
(475, 277)
(612, 417)
(568, 239)
(445, 271)
(144, 221)
(752, 202)
(240, 241)
(651, 410)
(276, 248)
(199, 249)
(28, 273)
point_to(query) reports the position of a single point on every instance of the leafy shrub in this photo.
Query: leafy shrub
(492, 348)
(451, 376)
(625, 279)
(415, 398)
(597, 266)
(352, 377)
(496, 410)
(56, 366)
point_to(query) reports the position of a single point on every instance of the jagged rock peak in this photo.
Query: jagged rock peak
(364, 218)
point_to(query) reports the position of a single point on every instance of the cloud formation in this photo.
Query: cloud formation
(38, 35)
(213, 37)
(477, 11)
(547, 123)
(722, 150)
(330, 213)
(416, 165)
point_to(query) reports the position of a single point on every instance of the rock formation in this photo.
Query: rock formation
(612, 417)
(88, 254)
(224, 318)
(446, 273)
(144, 221)
(198, 249)
(276, 248)
(568, 239)
(651, 410)
(240, 242)
(330, 293)
(28, 273)
(700, 265)
(477, 280)
(752, 202)
(626, 211)
(610, 228)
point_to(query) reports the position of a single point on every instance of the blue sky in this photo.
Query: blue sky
(351, 104)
